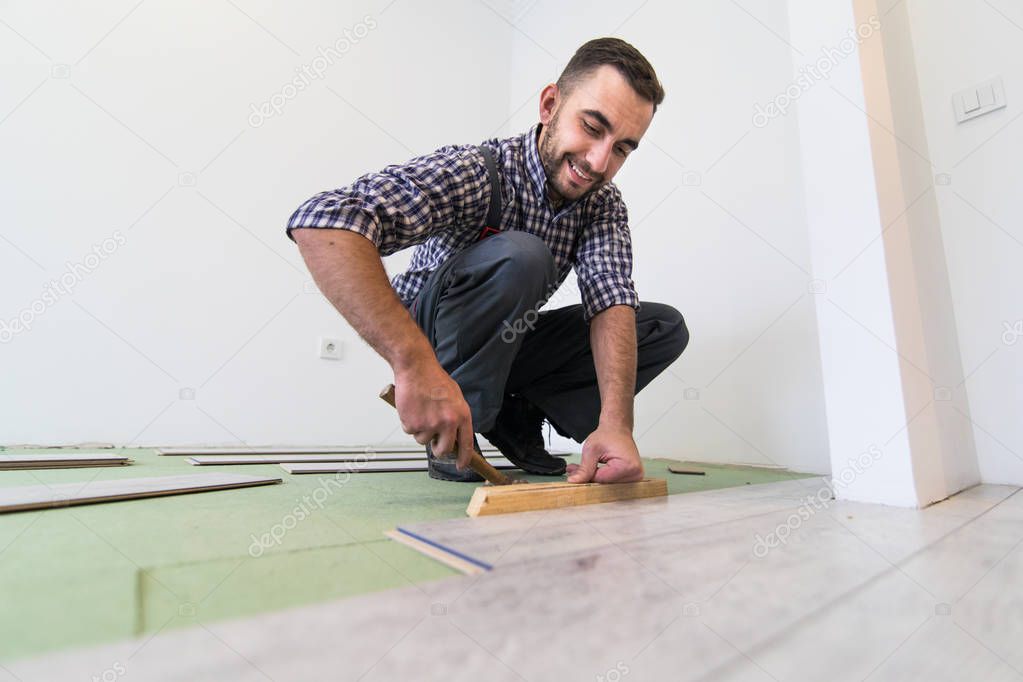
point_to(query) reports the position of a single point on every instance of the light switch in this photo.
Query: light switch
(971, 102)
(986, 95)
(980, 99)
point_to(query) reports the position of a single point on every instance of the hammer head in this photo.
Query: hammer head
(477, 463)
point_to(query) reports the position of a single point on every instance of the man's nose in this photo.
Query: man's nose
(598, 157)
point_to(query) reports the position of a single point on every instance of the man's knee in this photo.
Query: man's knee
(669, 327)
(524, 258)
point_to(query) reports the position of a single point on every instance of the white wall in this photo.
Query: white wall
(207, 294)
(957, 44)
(717, 221)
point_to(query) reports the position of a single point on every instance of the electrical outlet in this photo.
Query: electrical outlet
(330, 349)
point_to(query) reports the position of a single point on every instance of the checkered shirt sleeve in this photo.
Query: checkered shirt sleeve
(604, 259)
(402, 205)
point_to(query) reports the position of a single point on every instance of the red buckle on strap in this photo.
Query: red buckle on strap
(487, 231)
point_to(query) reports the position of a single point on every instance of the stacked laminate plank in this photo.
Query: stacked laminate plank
(22, 498)
(61, 461)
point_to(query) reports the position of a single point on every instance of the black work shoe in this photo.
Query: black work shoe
(445, 470)
(518, 434)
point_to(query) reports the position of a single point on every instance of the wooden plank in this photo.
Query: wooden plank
(61, 461)
(446, 556)
(63, 465)
(205, 460)
(489, 500)
(371, 467)
(22, 498)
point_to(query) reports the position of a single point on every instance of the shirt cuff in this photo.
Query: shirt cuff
(605, 291)
(327, 211)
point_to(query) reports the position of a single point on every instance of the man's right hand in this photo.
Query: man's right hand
(431, 408)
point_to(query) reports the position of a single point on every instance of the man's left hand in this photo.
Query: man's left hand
(616, 450)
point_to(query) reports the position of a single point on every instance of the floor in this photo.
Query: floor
(101, 573)
(762, 582)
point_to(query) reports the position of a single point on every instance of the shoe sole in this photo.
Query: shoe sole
(468, 477)
(538, 471)
(433, 473)
(557, 469)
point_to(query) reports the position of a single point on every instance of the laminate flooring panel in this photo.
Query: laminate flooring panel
(206, 460)
(686, 605)
(527, 536)
(60, 461)
(761, 509)
(373, 467)
(293, 450)
(23, 498)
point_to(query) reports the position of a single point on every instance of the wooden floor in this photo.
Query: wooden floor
(85, 575)
(751, 583)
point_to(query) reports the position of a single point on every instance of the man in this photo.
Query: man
(461, 328)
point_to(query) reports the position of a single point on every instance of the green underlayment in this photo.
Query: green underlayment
(82, 575)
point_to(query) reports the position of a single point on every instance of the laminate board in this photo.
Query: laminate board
(23, 498)
(679, 605)
(61, 461)
(372, 467)
(206, 460)
(294, 450)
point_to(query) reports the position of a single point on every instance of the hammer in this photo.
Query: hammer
(477, 463)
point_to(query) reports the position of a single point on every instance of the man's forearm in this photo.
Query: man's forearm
(348, 270)
(613, 340)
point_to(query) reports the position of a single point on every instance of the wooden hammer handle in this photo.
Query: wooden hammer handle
(477, 463)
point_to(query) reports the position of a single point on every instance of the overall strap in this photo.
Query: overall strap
(493, 223)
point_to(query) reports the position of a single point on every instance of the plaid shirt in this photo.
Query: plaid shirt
(438, 202)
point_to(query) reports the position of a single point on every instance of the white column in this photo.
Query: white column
(888, 341)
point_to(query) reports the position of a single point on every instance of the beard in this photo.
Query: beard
(553, 159)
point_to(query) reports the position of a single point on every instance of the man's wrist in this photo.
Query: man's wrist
(615, 422)
(413, 358)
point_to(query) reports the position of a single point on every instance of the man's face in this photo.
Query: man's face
(587, 135)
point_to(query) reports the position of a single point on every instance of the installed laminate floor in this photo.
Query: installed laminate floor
(750, 583)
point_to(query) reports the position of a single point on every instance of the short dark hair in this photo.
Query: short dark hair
(629, 62)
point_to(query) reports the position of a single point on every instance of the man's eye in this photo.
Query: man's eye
(590, 129)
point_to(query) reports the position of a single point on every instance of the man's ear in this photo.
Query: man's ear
(550, 97)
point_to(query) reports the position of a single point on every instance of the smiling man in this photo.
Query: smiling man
(498, 227)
